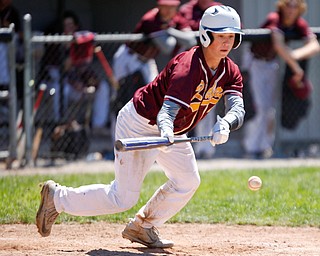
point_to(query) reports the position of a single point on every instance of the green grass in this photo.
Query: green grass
(289, 197)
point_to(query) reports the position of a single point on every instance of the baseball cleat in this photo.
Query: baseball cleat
(47, 213)
(146, 236)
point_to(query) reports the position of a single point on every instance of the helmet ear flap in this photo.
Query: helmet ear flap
(237, 41)
(205, 37)
(210, 37)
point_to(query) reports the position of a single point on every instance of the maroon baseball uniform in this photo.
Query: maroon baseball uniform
(188, 81)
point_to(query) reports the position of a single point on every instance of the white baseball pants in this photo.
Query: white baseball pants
(260, 130)
(131, 168)
(126, 63)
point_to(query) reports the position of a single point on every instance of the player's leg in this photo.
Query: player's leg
(180, 167)
(125, 63)
(100, 111)
(257, 130)
(97, 199)
(149, 70)
(130, 170)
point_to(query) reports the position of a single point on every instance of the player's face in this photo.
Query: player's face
(69, 26)
(167, 12)
(222, 44)
(290, 11)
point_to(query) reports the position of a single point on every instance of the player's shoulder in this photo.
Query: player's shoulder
(301, 22)
(150, 15)
(273, 15)
(273, 18)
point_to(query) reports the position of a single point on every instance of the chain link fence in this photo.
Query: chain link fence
(76, 112)
(8, 94)
(74, 117)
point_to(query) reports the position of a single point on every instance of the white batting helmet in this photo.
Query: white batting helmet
(220, 19)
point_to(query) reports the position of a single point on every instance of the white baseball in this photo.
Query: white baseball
(254, 183)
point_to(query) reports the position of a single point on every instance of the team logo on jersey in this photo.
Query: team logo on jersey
(211, 97)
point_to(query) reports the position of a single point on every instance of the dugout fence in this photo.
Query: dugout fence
(8, 96)
(65, 126)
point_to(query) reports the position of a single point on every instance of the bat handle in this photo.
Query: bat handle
(194, 139)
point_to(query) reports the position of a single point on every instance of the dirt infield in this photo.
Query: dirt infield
(104, 239)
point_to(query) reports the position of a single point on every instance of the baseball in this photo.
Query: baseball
(254, 183)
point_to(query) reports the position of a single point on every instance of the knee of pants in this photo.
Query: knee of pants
(189, 184)
(128, 201)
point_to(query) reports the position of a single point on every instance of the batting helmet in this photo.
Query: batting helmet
(220, 19)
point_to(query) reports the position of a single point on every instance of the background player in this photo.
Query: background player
(171, 105)
(260, 130)
(194, 9)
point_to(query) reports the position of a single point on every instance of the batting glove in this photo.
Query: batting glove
(220, 131)
(167, 133)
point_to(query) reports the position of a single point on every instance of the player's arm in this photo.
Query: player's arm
(234, 108)
(232, 120)
(308, 50)
(166, 117)
(285, 53)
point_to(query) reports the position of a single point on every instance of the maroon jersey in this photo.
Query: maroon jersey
(193, 13)
(149, 23)
(265, 50)
(188, 81)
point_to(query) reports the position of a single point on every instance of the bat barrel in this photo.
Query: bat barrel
(140, 143)
(130, 144)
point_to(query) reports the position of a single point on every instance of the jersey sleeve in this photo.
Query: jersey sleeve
(303, 29)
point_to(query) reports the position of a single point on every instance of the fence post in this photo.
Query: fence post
(12, 101)
(28, 89)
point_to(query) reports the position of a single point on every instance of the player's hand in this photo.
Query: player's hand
(220, 131)
(167, 133)
(298, 75)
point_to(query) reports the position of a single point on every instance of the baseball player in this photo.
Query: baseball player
(194, 9)
(171, 105)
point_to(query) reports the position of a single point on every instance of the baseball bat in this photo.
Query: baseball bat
(21, 144)
(36, 144)
(106, 67)
(130, 144)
